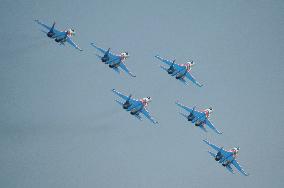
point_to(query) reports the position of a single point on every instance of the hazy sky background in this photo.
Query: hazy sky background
(60, 126)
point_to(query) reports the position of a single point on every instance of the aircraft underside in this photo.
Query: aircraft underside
(114, 65)
(135, 111)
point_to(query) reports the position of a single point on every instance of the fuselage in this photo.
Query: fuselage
(231, 155)
(63, 36)
(120, 58)
(204, 115)
(184, 68)
(142, 103)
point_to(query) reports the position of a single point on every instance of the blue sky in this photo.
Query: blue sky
(60, 126)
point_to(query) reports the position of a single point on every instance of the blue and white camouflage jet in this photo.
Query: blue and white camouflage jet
(135, 106)
(180, 71)
(226, 158)
(114, 60)
(59, 36)
(199, 118)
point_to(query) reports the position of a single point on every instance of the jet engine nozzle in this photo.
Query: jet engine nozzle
(126, 105)
(50, 34)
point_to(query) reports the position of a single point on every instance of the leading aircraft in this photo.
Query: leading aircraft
(114, 60)
(200, 118)
(59, 36)
(135, 106)
(226, 157)
(180, 71)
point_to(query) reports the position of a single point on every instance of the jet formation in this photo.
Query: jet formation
(138, 107)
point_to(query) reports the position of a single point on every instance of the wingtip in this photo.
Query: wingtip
(206, 141)
(157, 56)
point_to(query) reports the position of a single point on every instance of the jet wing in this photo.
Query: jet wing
(191, 78)
(209, 124)
(236, 164)
(196, 113)
(99, 48)
(69, 40)
(112, 56)
(147, 115)
(123, 66)
(47, 27)
(178, 68)
(168, 62)
(184, 107)
(124, 97)
(217, 148)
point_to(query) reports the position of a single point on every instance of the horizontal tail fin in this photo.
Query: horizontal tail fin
(116, 70)
(182, 114)
(120, 103)
(100, 57)
(212, 154)
(202, 128)
(138, 117)
(164, 68)
(230, 169)
(183, 81)
(43, 31)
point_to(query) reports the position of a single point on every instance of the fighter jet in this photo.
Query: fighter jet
(59, 36)
(114, 60)
(135, 106)
(226, 157)
(180, 71)
(200, 118)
